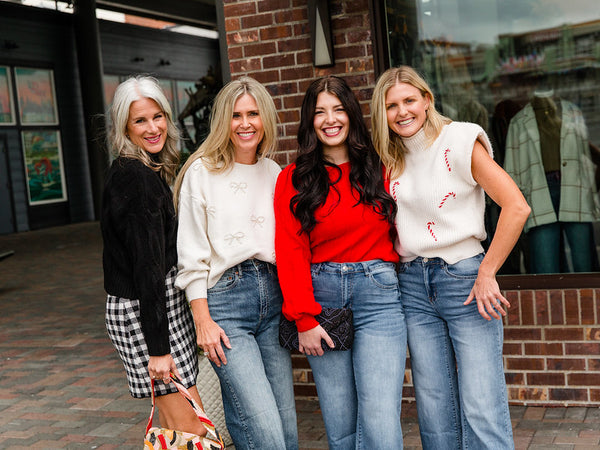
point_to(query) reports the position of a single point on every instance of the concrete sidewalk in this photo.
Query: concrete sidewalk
(63, 386)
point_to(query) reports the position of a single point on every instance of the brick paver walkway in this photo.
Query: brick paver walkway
(62, 385)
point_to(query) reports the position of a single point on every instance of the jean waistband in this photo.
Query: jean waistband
(352, 267)
(424, 261)
(254, 264)
(427, 261)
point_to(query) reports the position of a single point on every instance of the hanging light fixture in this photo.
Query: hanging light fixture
(319, 22)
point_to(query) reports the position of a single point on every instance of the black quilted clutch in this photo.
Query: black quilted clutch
(336, 321)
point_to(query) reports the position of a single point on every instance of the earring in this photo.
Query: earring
(127, 135)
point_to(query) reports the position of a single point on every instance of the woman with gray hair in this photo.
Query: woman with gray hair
(226, 250)
(147, 317)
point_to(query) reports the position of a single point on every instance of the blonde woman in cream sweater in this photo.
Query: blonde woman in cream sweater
(226, 259)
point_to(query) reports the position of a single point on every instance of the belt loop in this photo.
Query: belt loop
(366, 268)
(239, 270)
(316, 268)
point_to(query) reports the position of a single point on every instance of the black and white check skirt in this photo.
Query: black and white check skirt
(125, 332)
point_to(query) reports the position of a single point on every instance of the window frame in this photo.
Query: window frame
(381, 63)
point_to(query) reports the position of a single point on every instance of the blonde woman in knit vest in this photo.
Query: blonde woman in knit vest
(440, 171)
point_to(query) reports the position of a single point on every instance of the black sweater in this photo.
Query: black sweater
(139, 230)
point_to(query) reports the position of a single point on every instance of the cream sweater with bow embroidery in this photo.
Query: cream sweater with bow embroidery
(440, 206)
(224, 219)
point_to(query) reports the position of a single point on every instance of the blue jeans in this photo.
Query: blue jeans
(546, 242)
(360, 390)
(256, 383)
(456, 358)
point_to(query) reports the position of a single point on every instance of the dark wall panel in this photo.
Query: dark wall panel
(45, 39)
(128, 49)
(33, 37)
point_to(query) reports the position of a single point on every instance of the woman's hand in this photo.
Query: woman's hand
(160, 368)
(488, 296)
(310, 341)
(209, 333)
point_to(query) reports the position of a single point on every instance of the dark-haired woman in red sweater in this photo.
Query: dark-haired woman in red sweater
(334, 248)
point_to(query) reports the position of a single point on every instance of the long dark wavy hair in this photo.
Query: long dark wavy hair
(310, 177)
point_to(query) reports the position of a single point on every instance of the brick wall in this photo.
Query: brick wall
(552, 337)
(269, 40)
(552, 347)
(551, 350)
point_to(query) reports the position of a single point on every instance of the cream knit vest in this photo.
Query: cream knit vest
(440, 205)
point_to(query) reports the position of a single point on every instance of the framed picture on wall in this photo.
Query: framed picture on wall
(167, 87)
(35, 92)
(44, 167)
(185, 89)
(111, 82)
(7, 109)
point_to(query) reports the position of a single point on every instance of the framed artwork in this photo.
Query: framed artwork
(183, 99)
(167, 87)
(35, 92)
(42, 154)
(110, 86)
(7, 109)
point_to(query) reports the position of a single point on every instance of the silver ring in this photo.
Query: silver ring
(206, 354)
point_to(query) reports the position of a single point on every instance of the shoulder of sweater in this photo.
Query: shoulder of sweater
(288, 170)
(131, 170)
(285, 176)
(284, 180)
(272, 165)
(133, 186)
(132, 174)
(470, 132)
(465, 127)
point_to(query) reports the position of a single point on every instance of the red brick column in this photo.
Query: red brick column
(269, 40)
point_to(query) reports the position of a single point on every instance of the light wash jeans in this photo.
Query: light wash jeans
(360, 390)
(256, 383)
(456, 358)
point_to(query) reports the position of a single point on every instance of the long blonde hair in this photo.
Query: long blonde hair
(133, 89)
(217, 151)
(387, 143)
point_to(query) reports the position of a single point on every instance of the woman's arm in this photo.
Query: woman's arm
(293, 253)
(194, 254)
(514, 212)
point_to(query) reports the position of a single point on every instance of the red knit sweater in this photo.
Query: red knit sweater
(345, 232)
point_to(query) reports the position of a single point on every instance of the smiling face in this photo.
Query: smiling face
(331, 122)
(406, 109)
(147, 125)
(247, 129)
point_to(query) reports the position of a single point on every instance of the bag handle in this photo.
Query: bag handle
(210, 428)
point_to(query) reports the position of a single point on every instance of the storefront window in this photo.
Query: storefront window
(528, 72)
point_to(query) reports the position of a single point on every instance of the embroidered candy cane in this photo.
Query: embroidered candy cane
(446, 159)
(448, 195)
(429, 225)
(396, 184)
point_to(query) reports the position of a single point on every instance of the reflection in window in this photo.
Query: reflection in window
(528, 72)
